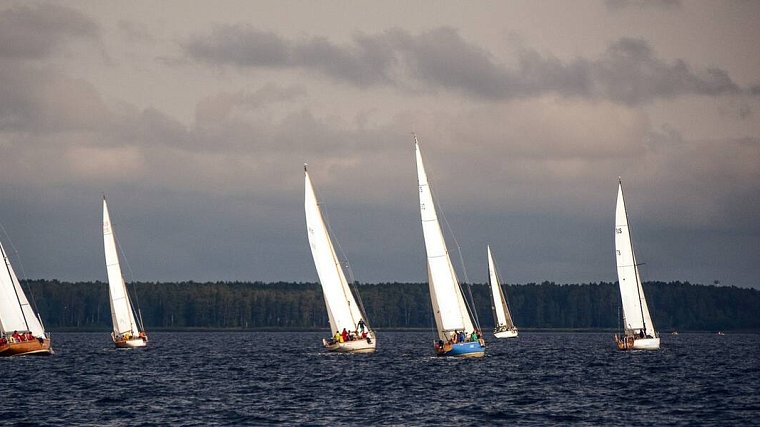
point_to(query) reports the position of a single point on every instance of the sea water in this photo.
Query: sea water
(253, 378)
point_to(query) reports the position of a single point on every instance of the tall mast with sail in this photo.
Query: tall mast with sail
(453, 322)
(21, 330)
(126, 331)
(343, 312)
(638, 329)
(505, 327)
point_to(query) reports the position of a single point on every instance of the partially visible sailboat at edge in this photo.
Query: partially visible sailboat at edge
(505, 327)
(638, 329)
(126, 331)
(452, 317)
(21, 330)
(352, 331)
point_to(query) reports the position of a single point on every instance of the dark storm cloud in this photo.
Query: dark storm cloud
(37, 31)
(628, 72)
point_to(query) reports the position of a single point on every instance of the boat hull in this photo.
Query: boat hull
(463, 349)
(511, 333)
(634, 343)
(131, 343)
(358, 346)
(34, 347)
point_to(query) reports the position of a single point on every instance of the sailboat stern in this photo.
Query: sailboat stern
(505, 333)
(631, 342)
(462, 349)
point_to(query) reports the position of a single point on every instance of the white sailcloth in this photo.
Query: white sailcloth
(342, 309)
(635, 311)
(448, 302)
(15, 312)
(503, 316)
(121, 308)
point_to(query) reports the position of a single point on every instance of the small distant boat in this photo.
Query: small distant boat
(126, 331)
(352, 331)
(505, 327)
(674, 333)
(721, 333)
(457, 335)
(638, 329)
(21, 330)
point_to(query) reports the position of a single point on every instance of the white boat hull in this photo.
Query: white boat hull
(512, 333)
(358, 346)
(634, 343)
(133, 343)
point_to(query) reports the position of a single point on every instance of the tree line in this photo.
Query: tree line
(674, 306)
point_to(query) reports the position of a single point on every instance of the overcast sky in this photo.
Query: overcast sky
(195, 119)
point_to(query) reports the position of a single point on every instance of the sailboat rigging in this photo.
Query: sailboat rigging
(505, 327)
(638, 329)
(352, 331)
(21, 329)
(457, 334)
(127, 332)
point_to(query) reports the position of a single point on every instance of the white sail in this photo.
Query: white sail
(15, 312)
(448, 302)
(341, 305)
(121, 308)
(635, 311)
(503, 317)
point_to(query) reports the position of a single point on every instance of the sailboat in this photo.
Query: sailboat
(126, 332)
(457, 335)
(21, 330)
(352, 331)
(638, 329)
(505, 327)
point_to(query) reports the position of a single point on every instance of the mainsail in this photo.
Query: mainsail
(636, 316)
(121, 308)
(503, 316)
(15, 312)
(446, 296)
(342, 309)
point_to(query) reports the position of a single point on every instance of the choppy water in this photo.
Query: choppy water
(262, 378)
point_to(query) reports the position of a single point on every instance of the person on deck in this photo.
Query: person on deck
(361, 325)
(16, 336)
(336, 337)
(344, 335)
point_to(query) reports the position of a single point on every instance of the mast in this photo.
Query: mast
(633, 253)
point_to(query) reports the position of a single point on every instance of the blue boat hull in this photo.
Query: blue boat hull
(465, 349)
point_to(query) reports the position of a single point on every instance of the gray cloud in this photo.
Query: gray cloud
(642, 4)
(628, 72)
(34, 32)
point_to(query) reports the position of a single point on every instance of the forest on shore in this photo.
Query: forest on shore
(237, 305)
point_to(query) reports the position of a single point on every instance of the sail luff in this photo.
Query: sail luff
(16, 314)
(121, 308)
(446, 294)
(343, 312)
(503, 316)
(635, 311)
